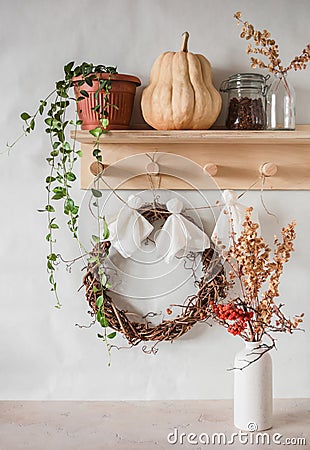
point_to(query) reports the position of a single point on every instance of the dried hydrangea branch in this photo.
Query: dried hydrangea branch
(266, 46)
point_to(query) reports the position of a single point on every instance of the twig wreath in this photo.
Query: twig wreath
(196, 308)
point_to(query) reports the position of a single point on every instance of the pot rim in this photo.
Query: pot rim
(113, 77)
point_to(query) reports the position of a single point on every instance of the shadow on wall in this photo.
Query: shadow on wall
(137, 118)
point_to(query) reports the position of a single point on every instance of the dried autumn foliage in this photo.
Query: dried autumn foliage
(266, 46)
(254, 313)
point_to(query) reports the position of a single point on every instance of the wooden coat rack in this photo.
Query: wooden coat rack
(234, 159)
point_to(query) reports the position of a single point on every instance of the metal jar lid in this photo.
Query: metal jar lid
(245, 81)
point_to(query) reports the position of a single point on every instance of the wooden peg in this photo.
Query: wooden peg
(268, 169)
(96, 168)
(211, 169)
(152, 168)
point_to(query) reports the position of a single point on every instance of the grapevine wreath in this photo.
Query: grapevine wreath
(211, 288)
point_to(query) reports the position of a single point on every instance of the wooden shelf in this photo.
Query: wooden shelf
(300, 136)
(238, 156)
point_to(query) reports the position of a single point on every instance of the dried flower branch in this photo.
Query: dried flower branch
(266, 46)
(254, 313)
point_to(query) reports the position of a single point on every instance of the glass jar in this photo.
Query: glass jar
(246, 101)
(280, 104)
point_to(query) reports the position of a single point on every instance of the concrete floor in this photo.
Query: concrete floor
(139, 425)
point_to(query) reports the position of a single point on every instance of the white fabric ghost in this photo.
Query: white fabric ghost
(129, 229)
(231, 219)
(179, 235)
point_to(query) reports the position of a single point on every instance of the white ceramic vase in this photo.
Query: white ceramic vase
(253, 400)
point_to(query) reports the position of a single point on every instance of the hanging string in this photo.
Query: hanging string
(219, 204)
(263, 179)
(100, 177)
(154, 190)
(150, 179)
(249, 188)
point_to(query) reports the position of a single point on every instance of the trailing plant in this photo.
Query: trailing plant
(63, 154)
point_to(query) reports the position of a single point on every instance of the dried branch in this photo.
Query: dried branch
(254, 313)
(266, 46)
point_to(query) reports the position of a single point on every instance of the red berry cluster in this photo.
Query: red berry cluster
(231, 312)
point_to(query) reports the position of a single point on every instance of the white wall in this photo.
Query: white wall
(43, 354)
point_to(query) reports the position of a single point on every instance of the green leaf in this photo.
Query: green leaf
(97, 132)
(108, 285)
(92, 259)
(48, 237)
(79, 153)
(96, 193)
(106, 232)
(55, 124)
(63, 94)
(49, 121)
(104, 122)
(59, 190)
(95, 289)
(70, 176)
(69, 205)
(67, 147)
(112, 335)
(50, 208)
(100, 336)
(99, 301)
(63, 104)
(54, 226)
(84, 93)
(25, 116)
(58, 196)
(103, 322)
(95, 238)
(52, 257)
(89, 81)
(103, 280)
(68, 67)
(50, 179)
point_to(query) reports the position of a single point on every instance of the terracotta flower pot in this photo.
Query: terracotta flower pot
(122, 95)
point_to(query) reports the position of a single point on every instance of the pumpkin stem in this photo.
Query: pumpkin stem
(185, 36)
